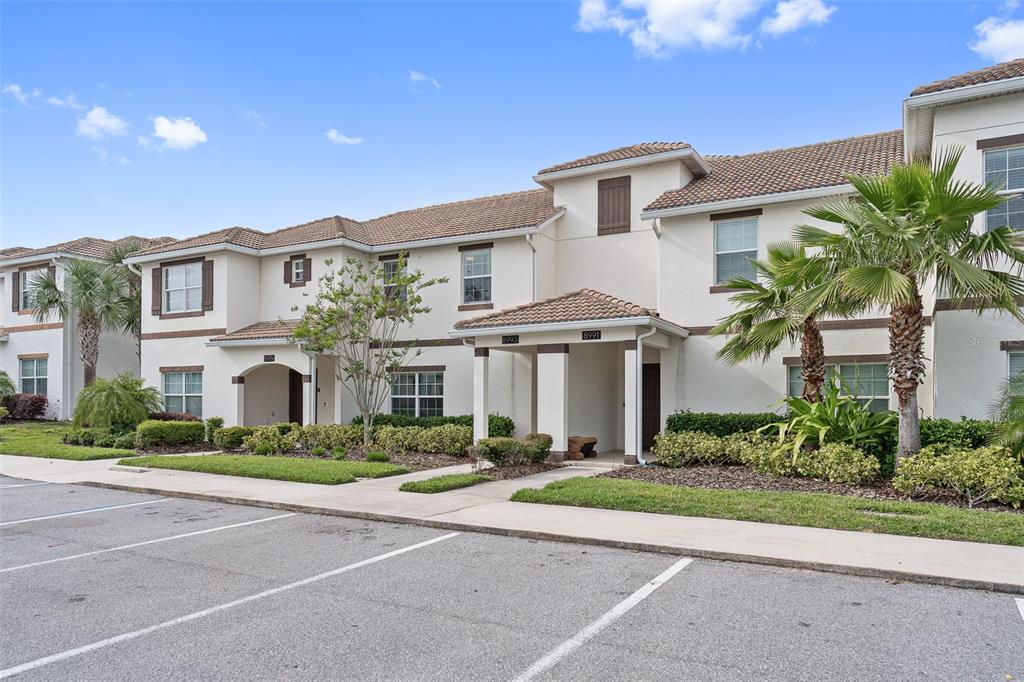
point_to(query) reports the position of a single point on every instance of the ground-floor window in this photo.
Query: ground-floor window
(33, 375)
(417, 394)
(183, 392)
(866, 382)
(1016, 365)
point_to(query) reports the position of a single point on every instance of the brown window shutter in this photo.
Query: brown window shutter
(288, 271)
(613, 205)
(207, 285)
(157, 296)
(307, 272)
(15, 291)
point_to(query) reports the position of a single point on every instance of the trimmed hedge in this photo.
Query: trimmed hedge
(99, 437)
(719, 424)
(977, 475)
(231, 437)
(156, 433)
(165, 416)
(447, 439)
(506, 451)
(965, 433)
(498, 425)
(331, 437)
(272, 439)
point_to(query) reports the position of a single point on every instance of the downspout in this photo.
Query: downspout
(640, 396)
(67, 403)
(657, 266)
(533, 248)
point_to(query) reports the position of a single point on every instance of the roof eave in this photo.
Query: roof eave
(236, 343)
(689, 156)
(747, 202)
(642, 320)
(48, 256)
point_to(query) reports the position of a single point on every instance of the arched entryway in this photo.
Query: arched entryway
(273, 393)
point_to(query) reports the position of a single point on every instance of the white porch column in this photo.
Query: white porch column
(308, 399)
(339, 394)
(631, 411)
(238, 418)
(553, 396)
(481, 385)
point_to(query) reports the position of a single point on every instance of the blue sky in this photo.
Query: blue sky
(191, 117)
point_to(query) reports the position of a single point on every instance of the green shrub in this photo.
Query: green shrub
(213, 425)
(440, 484)
(398, 439)
(965, 433)
(377, 456)
(339, 453)
(3, 413)
(838, 463)
(542, 442)
(270, 439)
(448, 439)
(231, 437)
(977, 475)
(119, 403)
(687, 447)
(125, 442)
(506, 451)
(153, 433)
(770, 458)
(165, 416)
(284, 428)
(318, 451)
(104, 440)
(331, 436)
(96, 437)
(499, 426)
(719, 424)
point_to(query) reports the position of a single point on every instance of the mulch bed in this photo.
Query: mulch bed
(742, 478)
(516, 471)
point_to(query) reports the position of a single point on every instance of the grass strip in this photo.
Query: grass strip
(42, 439)
(323, 471)
(816, 510)
(439, 484)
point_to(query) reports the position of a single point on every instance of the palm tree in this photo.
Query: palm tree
(130, 321)
(93, 292)
(901, 233)
(1007, 410)
(767, 316)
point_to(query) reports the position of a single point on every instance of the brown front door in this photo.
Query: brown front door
(651, 418)
(294, 396)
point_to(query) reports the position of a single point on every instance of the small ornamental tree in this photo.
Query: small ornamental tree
(355, 318)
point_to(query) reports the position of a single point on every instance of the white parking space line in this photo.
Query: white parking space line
(71, 653)
(1020, 606)
(23, 485)
(84, 511)
(142, 544)
(580, 638)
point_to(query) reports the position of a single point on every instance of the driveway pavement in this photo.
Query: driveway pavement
(103, 584)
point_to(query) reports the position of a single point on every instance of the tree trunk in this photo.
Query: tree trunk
(812, 357)
(906, 369)
(366, 428)
(89, 339)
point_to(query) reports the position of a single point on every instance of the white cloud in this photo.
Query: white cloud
(178, 133)
(337, 138)
(104, 155)
(999, 39)
(99, 123)
(656, 27)
(793, 14)
(417, 77)
(69, 102)
(256, 117)
(20, 95)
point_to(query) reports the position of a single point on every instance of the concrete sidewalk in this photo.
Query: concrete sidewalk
(485, 508)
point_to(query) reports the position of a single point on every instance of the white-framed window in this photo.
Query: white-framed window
(183, 392)
(298, 270)
(183, 288)
(417, 394)
(391, 272)
(866, 381)
(1005, 168)
(476, 276)
(735, 246)
(26, 289)
(1016, 365)
(33, 375)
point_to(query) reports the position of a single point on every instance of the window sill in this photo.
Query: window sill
(293, 285)
(721, 289)
(175, 316)
(30, 311)
(476, 306)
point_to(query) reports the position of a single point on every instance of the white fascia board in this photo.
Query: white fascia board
(965, 93)
(748, 202)
(49, 257)
(696, 163)
(645, 321)
(236, 343)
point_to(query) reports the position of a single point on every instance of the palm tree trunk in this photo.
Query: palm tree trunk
(906, 369)
(812, 357)
(89, 340)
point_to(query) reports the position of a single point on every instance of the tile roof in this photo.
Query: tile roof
(990, 74)
(584, 304)
(824, 164)
(269, 329)
(459, 218)
(88, 247)
(632, 151)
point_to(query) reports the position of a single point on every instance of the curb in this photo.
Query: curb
(863, 571)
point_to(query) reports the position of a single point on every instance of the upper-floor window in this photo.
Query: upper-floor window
(476, 276)
(1005, 168)
(394, 268)
(27, 288)
(298, 271)
(613, 205)
(867, 382)
(33, 375)
(183, 287)
(735, 246)
(417, 394)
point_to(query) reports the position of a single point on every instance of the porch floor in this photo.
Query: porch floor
(605, 458)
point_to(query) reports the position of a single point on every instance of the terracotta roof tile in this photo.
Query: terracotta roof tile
(990, 74)
(269, 329)
(88, 247)
(630, 152)
(787, 170)
(584, 304)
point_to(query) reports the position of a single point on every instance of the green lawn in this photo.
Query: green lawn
(42, 439)
(439, 484)
(818, 510)
(328, 472)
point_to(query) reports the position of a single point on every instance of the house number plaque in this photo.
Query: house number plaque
(268, 358)
(510, 338)
(592, 335)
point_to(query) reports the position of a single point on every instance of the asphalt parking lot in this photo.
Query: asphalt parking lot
(100, 584)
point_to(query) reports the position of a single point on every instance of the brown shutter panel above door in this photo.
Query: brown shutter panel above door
(157, 295)
(307, 272)
(613, 205)
(15, 291)
(207, 285)
(288, 271)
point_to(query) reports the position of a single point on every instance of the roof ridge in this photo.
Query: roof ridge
(334, 217)
(454, 203)
(775, 150)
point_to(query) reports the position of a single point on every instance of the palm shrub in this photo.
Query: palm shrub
(121, 403)
(767, 315)
(901, 233)
(1008, 411)
(7, 386)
